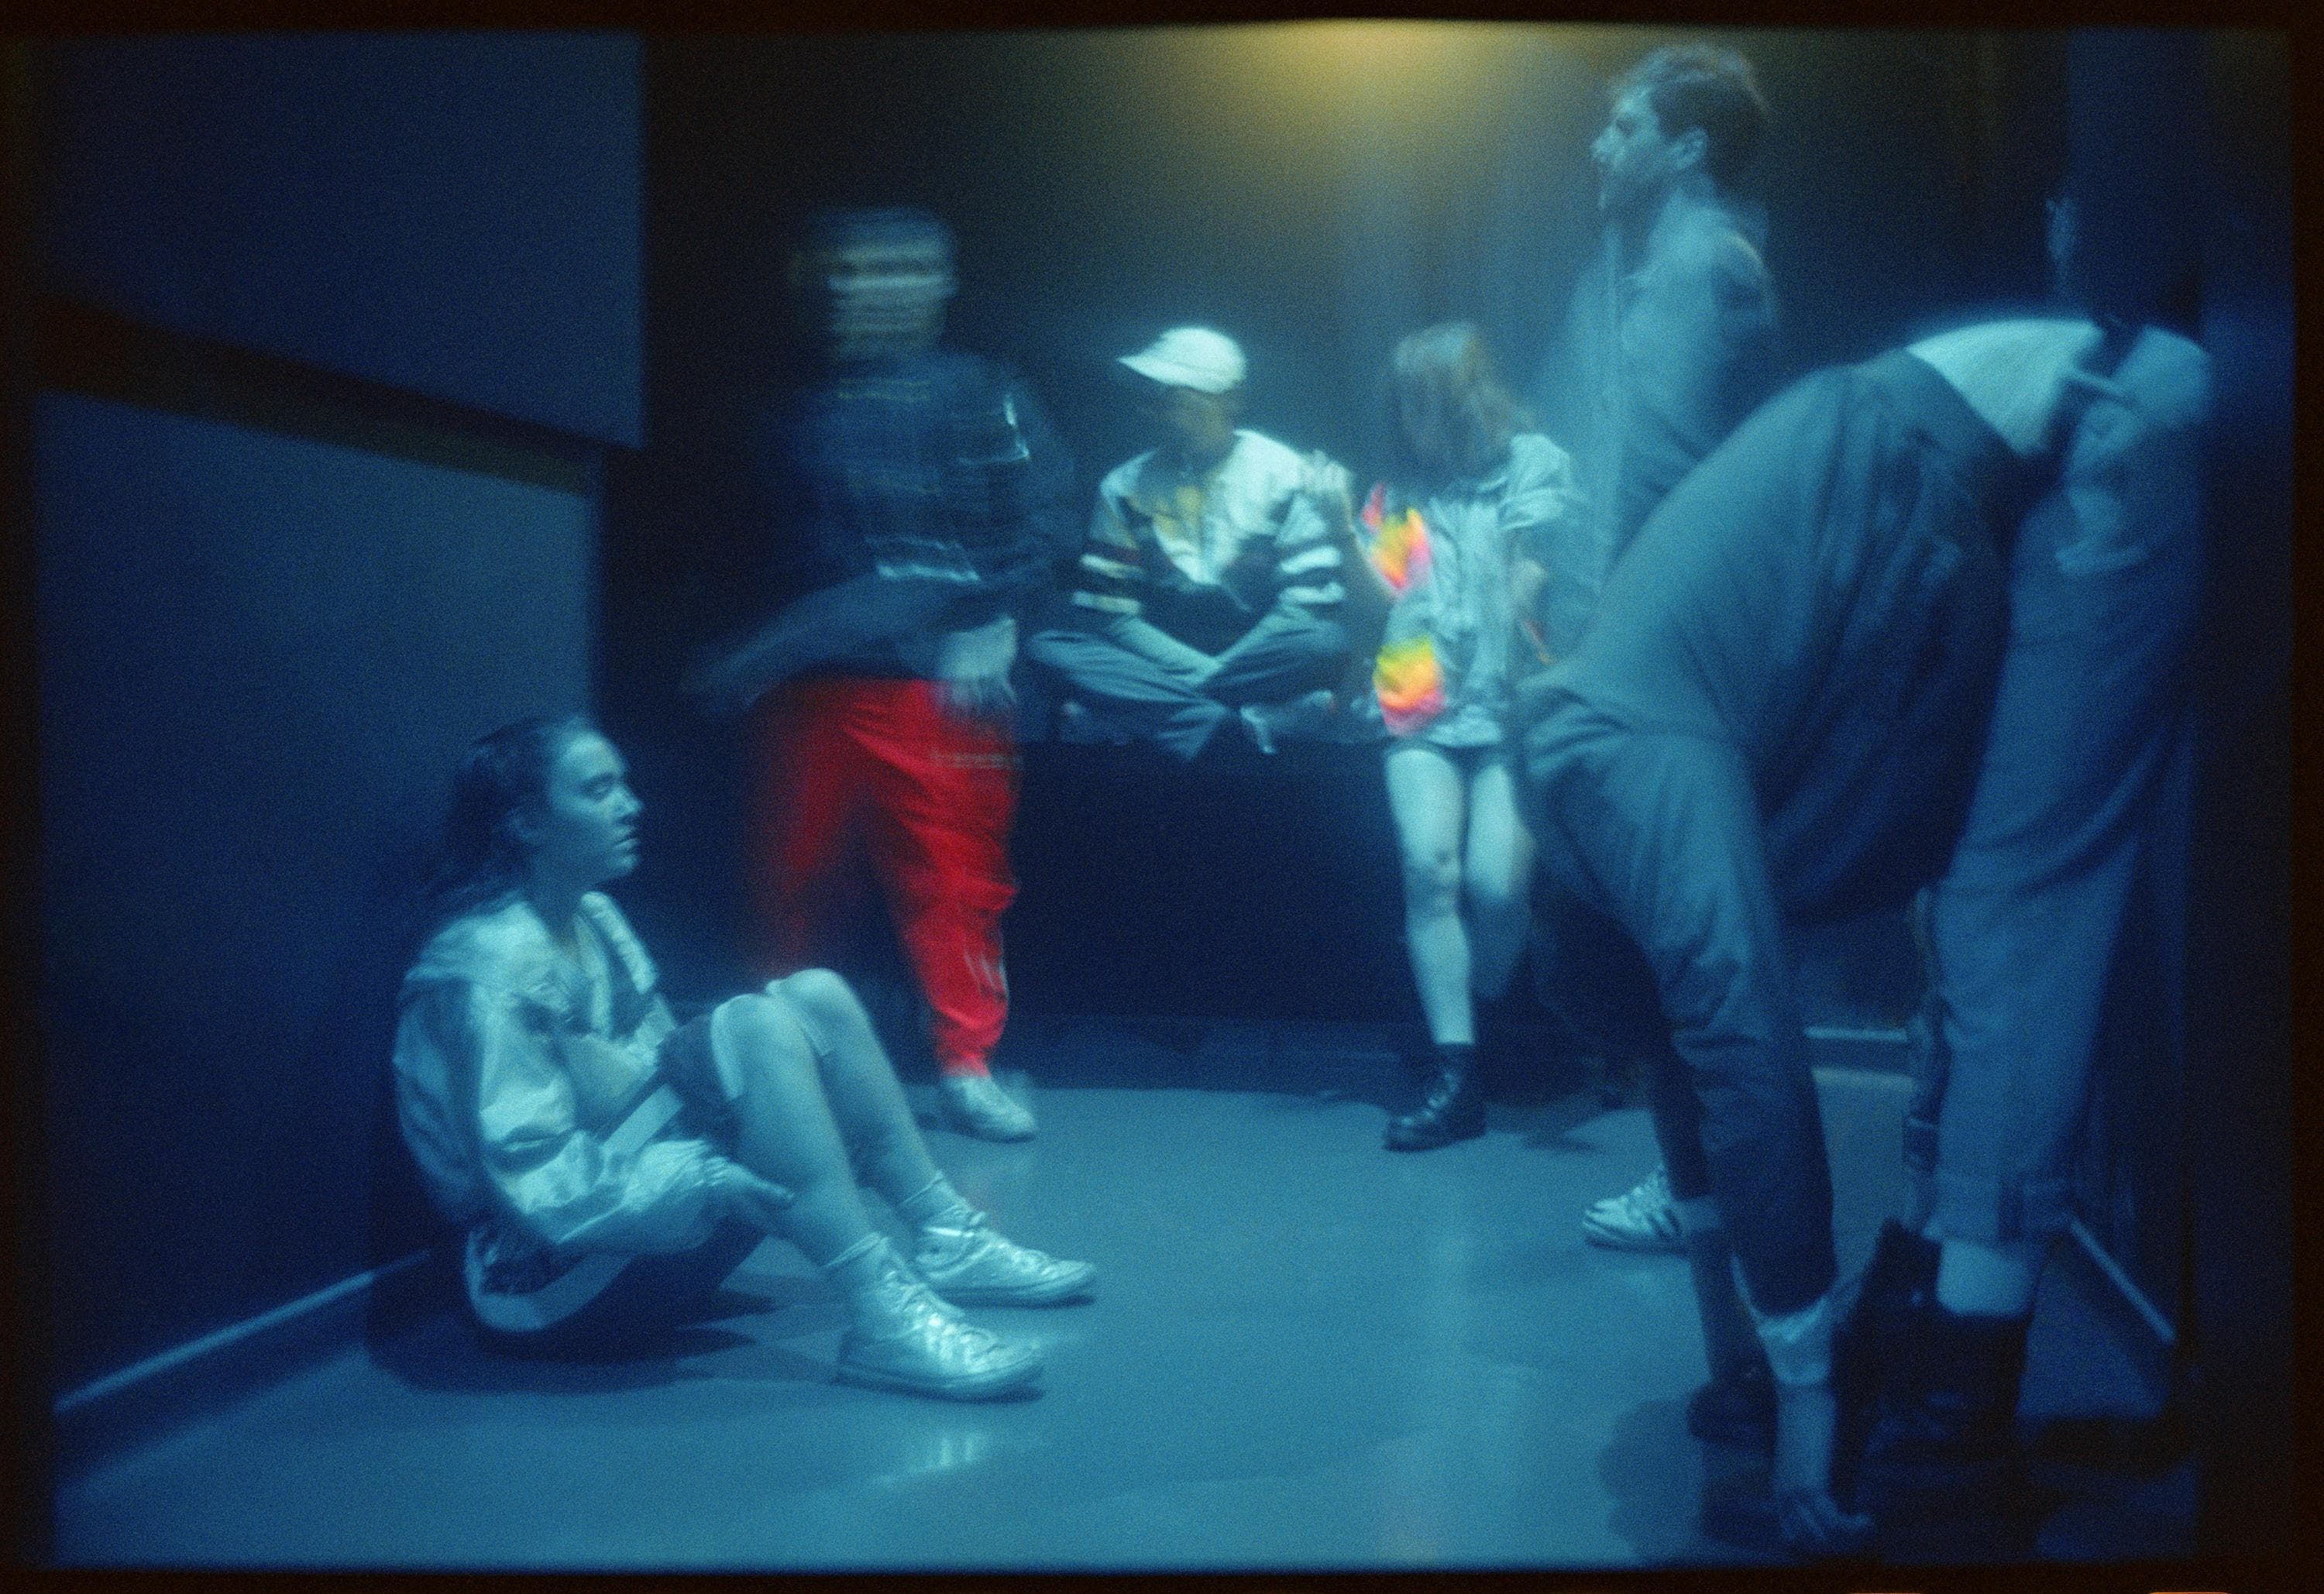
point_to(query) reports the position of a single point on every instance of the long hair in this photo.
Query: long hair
(481, 858)
(1449, 414)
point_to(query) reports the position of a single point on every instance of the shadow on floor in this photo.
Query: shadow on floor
(442, 1351)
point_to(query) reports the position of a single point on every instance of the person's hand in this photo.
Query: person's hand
(759, 1202)
(716, 682)
(977, 696)
(1327, 482)
(971, 668)
(1814, 1528)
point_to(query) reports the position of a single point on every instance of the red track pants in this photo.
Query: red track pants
(933, 796)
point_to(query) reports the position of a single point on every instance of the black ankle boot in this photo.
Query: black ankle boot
(1874, 1336)
(1452, 1109)
(1943, 1436)
(1738, 1409)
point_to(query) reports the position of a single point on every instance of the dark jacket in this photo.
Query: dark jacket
(1662, 358)
(939, 468)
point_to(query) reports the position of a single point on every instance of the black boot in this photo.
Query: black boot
(1452, 1109)
(1944, 1436)
(1738, 1405)
(1737, 1408)
(1875, 1335)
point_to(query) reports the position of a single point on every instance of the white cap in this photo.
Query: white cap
(1190, 356)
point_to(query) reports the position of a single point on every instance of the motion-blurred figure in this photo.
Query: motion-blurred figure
(1782, 710)
(1468, 485)
(612, 1165)
(928, 486)
(1669, 342)
(1209, 584)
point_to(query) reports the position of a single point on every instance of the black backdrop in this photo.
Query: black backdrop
(1316, 190)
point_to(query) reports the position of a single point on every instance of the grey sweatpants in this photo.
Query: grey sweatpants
(1285, 653)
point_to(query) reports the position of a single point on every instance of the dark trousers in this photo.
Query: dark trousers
(1775, 712)
(1285, 654)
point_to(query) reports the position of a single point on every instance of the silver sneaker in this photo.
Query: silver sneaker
(1643, 1218)
(970, 1264)
(977, 1106)
(902, 1337)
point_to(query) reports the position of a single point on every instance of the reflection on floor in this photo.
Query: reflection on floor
(1306, 1352)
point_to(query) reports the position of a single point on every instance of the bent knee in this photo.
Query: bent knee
(818, 993)
(757, 1032)
(1432, 877)
(1496, 898)
(825, 1004)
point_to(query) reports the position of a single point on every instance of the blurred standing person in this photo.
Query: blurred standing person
(929, 488)
(1468, 484)
(1669, 342)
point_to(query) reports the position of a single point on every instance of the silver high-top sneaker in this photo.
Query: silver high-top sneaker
(963, 1260)
(901, 1336)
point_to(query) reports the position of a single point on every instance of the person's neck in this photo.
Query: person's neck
(1203, 464)
(1687, 194)
(557, 900)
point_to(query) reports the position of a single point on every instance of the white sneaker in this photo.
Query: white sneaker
(969, 1264)
(977, 1106)
(1643, 1218)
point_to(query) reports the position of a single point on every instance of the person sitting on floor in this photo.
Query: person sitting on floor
(610, 1165)
(1209, 584)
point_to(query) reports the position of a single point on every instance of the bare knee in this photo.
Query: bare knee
(1494, 897)
(761, 1036)
(821, 997)
(1432, 880)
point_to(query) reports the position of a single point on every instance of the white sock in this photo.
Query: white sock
(934, 1204)
(1989, 1281)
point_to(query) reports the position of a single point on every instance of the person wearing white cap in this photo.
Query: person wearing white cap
(1209, 584)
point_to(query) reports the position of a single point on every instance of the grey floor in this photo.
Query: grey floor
(1306, 1353)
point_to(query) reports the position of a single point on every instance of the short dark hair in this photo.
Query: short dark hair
(502, 773)
(1703, 86)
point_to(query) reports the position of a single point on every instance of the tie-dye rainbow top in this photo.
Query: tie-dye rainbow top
(1406, 676)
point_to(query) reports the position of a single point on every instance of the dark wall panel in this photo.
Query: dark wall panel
(259, 658)
(453, 213)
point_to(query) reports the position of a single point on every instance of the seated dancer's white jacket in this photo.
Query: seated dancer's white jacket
(527, 1092)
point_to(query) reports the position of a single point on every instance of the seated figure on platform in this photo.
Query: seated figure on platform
(610, 1166)
(1209, 584)
(1785, 707)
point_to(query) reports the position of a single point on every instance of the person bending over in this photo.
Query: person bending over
(1781, 711)
(1468, 486)
(1209, 583)
(611, 1165)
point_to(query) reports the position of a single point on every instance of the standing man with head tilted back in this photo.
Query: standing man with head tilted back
(926, 486)
(1670, 342)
